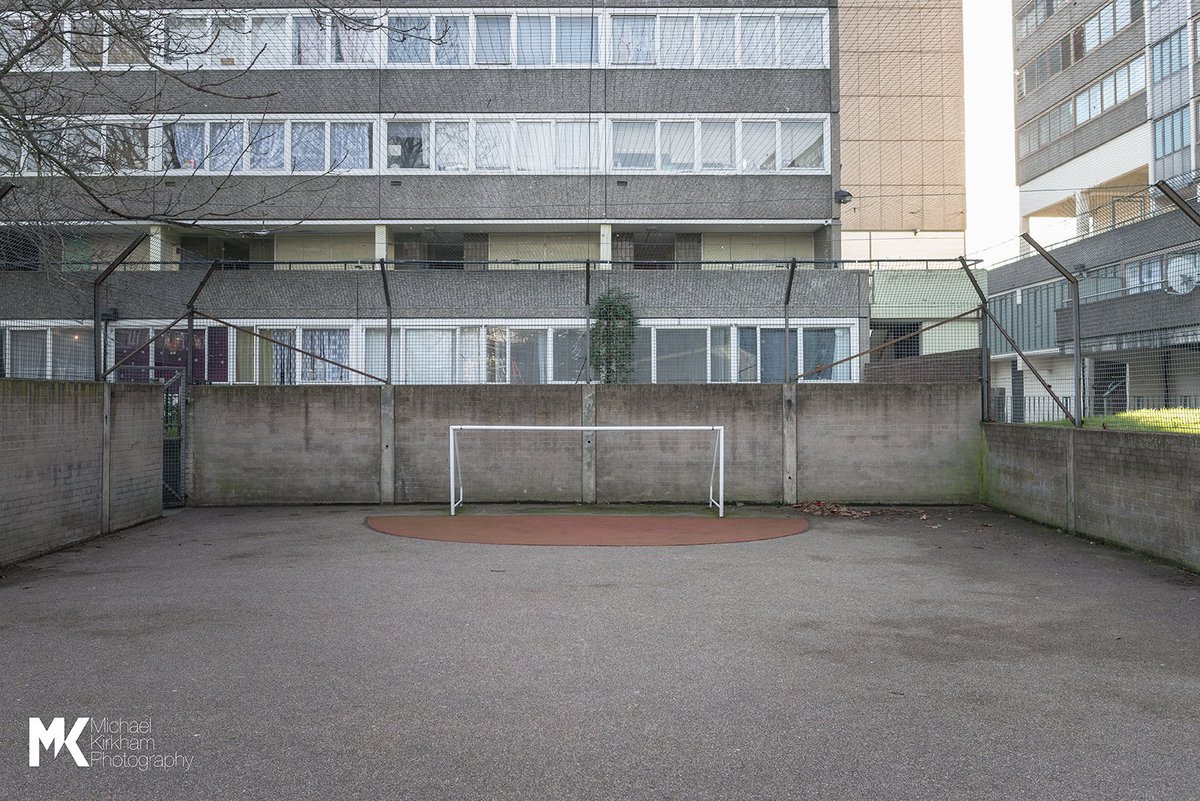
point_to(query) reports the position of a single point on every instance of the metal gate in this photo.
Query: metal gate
(174, 485)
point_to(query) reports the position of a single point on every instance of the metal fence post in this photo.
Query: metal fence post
(1077, 365)
(387, 299)
(787, 372)
(985, 375)
(587, 324)
(97, 327)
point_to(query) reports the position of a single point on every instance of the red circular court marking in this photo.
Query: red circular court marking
(610, 530)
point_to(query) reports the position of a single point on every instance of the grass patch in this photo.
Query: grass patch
(1165, 421)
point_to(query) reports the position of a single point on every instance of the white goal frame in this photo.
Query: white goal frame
(716, 481)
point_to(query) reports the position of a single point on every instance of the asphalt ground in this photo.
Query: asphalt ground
(292, 653)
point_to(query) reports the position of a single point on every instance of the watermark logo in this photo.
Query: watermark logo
(42, 737)
(110, 743)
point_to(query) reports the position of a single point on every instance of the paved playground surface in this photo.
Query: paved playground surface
(292, 653)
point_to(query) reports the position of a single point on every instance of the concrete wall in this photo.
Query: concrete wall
(55, 453)
(911, 444)
(888, 443)
(1134, 489)
(306, 444)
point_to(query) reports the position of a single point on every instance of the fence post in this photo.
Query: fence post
(787, 372)
(985, 359)
(587, 322)
(97, 327)
(387, 299)
(1077, 364)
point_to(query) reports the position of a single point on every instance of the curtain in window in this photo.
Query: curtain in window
(308, 146)
(576, 40)
(453, 146)
(758, 146)
(492, 40)
(824, 346)
(268, 41)
(276, 363)
(493, 145)
(266, 146)
(353, 40)
(350, 145)
(678, 153)
(332, 344)
(224, 146)
(408, 40)
(429, 356)
(527, 356)
(633, 145)
(675, 44)
(758, 40)
(717, 40)
(452, 40)
(535, 148)
(128, 340)
(576, 145)
(376, 353)
(632, 39)
(308, 41)
(28, 355)
(803, 144)
(717, 142)
(408, 145)
(533, 40)
(774, 371)
(183, 145)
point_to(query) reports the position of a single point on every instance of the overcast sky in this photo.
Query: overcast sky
(991, 182)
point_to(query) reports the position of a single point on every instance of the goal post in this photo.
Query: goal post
(716, 481)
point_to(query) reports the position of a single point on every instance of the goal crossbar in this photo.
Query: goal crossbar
(716, 480)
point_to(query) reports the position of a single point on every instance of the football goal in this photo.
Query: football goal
(716, 477)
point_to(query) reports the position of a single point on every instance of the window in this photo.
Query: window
(802, 145)
(576, 146)
(681, 356)
(533, 40)
(1171, 133)
(308, 146)
(276, 357)
(308, 40)
(717, 145)
(28, 357)
(718, 40)
(535, 149)
(408, 40)
(721, 357)
(453, 146)
(678, 147)
(408, 145)
(73, 354)
(676, 45)
(633, 145)
(125, 146)
(493, 40)
(1097, 30)
(802, 41)
(632, 39)
(1107, 93)
(493, 145)
(87, 33)
(576, 40)
(570, 352)
(224, 146)
(268, 41)
(186, 38)
(822, 347)
(758, 146)
(1033, 15)
(183, 145)
(885, 331)
(452, 40)
(1168, 57)
(350, 145)
(758, 40)
(328, 343)
(376, 353)
(353, 41)
(266, 146)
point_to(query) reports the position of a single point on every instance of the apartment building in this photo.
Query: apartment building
(1106, 106)
(471, 134)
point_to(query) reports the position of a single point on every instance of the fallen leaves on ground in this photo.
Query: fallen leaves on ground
(826, 509)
